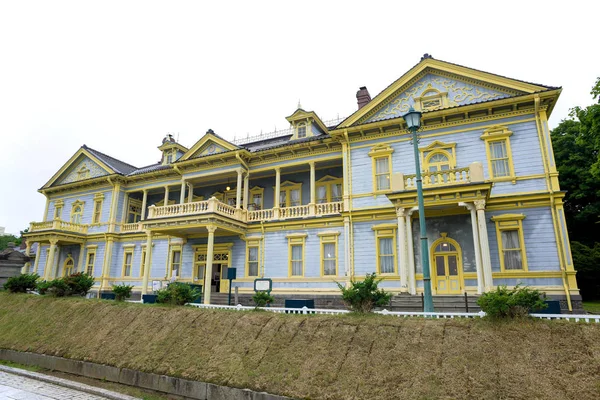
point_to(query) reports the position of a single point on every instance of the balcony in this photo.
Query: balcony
(57, 225)
(214, 206)
(451, 177)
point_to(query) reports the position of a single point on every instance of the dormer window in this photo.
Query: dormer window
(170, 156)
(301, 131)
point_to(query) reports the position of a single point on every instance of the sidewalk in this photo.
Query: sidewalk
(18, 384)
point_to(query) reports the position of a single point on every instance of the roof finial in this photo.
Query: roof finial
(299, 105)
(426, 56)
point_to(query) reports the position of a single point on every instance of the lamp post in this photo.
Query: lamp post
(413, 122)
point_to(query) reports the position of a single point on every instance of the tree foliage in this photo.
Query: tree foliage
(577, 152)
(6, 239)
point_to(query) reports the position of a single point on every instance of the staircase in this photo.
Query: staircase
(406, 302)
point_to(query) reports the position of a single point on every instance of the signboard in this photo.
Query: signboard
(156, 286)
(263, 285)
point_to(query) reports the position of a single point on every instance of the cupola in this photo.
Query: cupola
(306, 124)
(171, 150)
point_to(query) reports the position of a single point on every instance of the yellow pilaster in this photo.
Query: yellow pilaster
(209, 261)
(148, 265)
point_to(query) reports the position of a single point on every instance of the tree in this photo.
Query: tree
(6, 239)
(577, 152)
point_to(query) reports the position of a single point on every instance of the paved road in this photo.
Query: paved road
(15, 387)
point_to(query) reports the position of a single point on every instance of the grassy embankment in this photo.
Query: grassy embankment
(317, 357)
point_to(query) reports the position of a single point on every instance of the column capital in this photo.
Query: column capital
(53, 242)
(479, 204)
(312, 163)
(277, 169)
(211, 228)
(145, 191)
(468, 206)
(400, 212)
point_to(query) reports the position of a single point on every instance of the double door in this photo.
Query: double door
(220, 264)
(447, 266)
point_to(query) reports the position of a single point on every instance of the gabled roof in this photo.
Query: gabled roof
(300, 114)
(117, 166)
(429, 64)
(209, 136)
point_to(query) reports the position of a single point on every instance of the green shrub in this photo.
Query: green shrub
(262, 298)
(363, 296)
(177, 293)
(21, 283)
(73, 285)
(79, 284)
(122, 291)
(511, 303)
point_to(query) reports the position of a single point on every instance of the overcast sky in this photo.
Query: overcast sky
(118, 75)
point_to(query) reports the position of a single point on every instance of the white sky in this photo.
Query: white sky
(119, 75)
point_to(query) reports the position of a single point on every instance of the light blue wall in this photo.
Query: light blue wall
(540, 242)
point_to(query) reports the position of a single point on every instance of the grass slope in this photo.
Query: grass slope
(317, 357)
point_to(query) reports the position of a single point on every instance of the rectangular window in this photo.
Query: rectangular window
(253, 259)
(200, 266)
(499, 159)
(382, 173)
(143, 263)
(329, 259)
(385, 248)
(257, 200)
(176, 263)
(511, 249)
(89, 268)
(511, 244)
(97, 212)
(127, 260)
(329, 191)
(301, 131)
(58, 212)
(296, 254)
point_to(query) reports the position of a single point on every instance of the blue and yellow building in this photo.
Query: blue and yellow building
(326, 203)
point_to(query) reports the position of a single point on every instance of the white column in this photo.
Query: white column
(209, 261)
(148, 264)
(484, 244)
(191, 193)
(313, 188)
(475, 229)
(277, 186)
(106, 265)
(144, 201)
(81, 257)
(238, 190)
(246, 190)
(182, 194)
(166, 201)
(402, 255)
(412, 280)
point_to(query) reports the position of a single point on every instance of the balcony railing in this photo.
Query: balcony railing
(456, 176)
(215, 206)
(132, 227)
(58, 225)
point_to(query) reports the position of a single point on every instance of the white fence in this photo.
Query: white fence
(441, 315)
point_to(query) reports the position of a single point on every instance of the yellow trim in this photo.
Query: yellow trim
(459, 264)
(208, 137)
(69, 258)
(328, 181)
(330, 239)
(494, 135)
(512, 222)
(379, 152)
(172, 249)
(296, 240)
(72, 161)
(97, 214)
(58, 208)
(124, 265)
(429, 63)
(384, 231)
(142, 261)
(257, 190)
(77, 204)
(253, 243)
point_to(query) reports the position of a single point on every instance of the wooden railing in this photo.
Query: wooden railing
(294, 212)
(58, 224)
(329, 208)
(260, 215)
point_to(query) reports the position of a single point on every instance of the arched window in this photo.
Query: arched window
(68, 266)
(438, 161)
(77, 212)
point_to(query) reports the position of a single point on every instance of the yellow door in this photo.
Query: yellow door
(224, 280)
(447, 266)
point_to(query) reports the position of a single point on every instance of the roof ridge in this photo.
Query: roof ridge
(103, 155)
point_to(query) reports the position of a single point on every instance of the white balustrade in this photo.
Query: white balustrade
(260, 215)
(294, 212)
(58, 224)
(329, 208)
(455, 176)
(133, 227)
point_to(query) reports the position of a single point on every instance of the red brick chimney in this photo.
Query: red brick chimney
(363, 97)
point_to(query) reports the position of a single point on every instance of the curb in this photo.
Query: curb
(67, 384)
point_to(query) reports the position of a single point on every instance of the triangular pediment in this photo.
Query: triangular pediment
(433, 85)
(81, 166)
(209, 144)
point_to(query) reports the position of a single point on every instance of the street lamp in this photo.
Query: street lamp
(413, 123)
